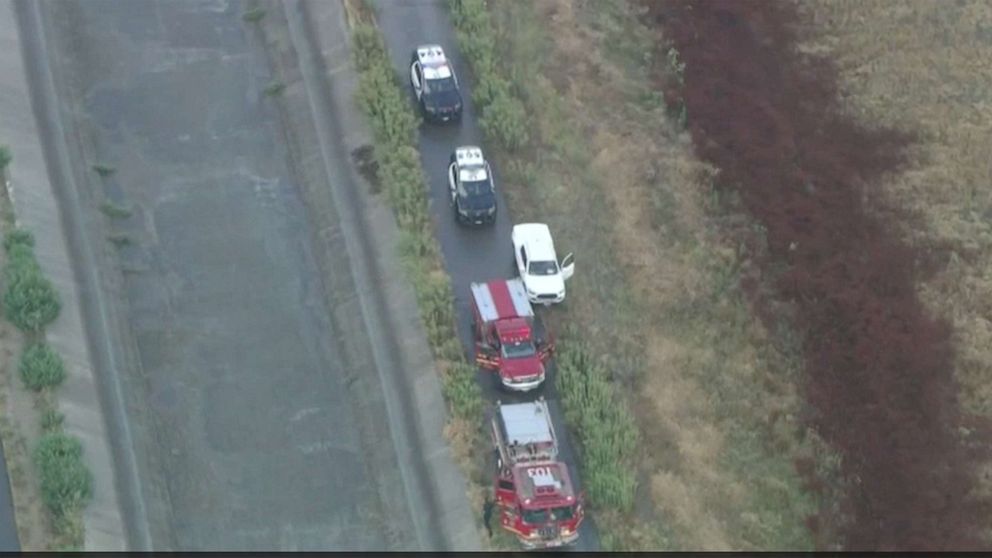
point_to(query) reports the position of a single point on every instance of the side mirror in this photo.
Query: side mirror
(567, 267)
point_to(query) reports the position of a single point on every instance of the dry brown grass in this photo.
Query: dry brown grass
(655, 293)
(927, 67)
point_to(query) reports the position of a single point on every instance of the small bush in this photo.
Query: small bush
(52, 420)
(274, 88)
(66, 483)
(253, 15)
(504, 117)
(462, 391)
(41, 367)
(603, 425)
(18, 237)
(505, 120)
(104, 170)
(119, 240)
(30, 301)
(114, 211)
(368, 48)
(5, 157)
(436, 303)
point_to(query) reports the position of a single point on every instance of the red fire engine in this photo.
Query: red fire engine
(534, 492)
(506, 339)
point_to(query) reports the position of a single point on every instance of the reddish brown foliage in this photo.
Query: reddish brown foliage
(879, 368)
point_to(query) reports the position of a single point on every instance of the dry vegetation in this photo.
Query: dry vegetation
(926, 67)
(656, 291)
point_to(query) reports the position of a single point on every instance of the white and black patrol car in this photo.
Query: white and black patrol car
(435, 85)
(473, 191)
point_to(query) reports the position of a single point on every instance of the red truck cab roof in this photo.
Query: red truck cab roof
(513, 330)
(543, 485)
(501, 299)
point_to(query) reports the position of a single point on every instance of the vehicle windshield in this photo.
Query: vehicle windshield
(476, 188)
(519, 350)
(440, 85)
(477, 194)
(564, 513)
(534, 517)
(543, 268)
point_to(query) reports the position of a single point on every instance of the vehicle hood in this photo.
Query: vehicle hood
(444, 99)
(477, 202)
(521, 367)
(545, 284)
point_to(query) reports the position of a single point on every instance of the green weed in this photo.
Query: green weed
(274, 88)
(114, 211)
(104, 170)
(41, 367)
(253, 15)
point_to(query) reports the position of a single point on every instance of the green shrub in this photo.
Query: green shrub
(41, 367)
(18, 237)
(51, 420)
(114, 211)
(504, 117)
(505, 120)
(66, 483)
(253, 15)
(436, 303)
(394, 127)
(274, 88)
(462, 391)
(5, 157)
(490, 87)
(603, 425)
(367, 46)
(104, 170)
(30, 301)
(451, 350)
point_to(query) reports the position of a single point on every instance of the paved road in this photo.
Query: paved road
(255, 425)
(470, 254)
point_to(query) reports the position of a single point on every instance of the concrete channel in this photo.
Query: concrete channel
(264, 399)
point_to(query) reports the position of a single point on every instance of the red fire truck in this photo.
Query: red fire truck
(507, 335)
(534, 493)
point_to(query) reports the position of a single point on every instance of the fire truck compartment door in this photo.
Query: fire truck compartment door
(504, 492)
(486, 360)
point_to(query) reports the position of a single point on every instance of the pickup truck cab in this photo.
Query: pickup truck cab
(537, 263)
